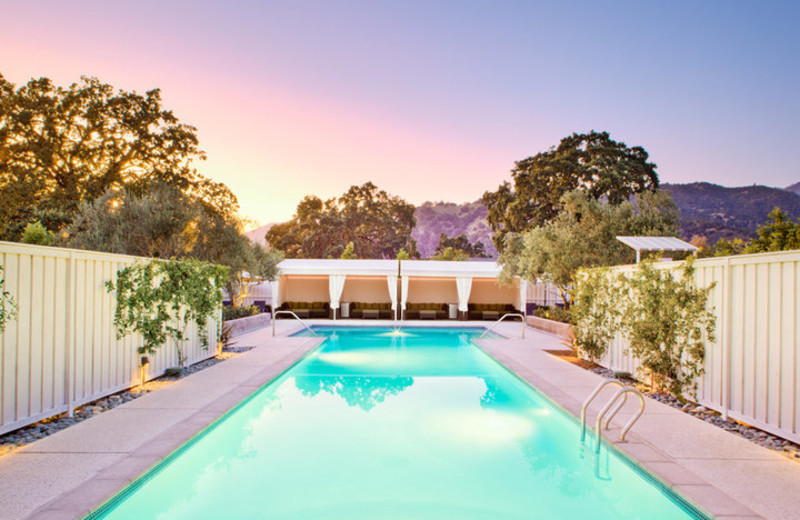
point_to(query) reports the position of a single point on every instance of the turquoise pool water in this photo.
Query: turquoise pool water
(380, 425)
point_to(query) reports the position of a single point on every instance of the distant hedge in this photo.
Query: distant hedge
(554, 313)
(234, 313)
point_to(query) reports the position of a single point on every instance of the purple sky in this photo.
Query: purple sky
(435, 100)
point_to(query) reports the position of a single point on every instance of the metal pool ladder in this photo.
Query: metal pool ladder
(613, 406)
(295, 316)
(504, 316)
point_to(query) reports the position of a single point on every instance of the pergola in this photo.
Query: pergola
(656, 244)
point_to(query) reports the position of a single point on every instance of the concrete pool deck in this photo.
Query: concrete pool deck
(68, 474)
(725, 475)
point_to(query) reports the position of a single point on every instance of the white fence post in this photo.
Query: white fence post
(69, 342)
(725, 337)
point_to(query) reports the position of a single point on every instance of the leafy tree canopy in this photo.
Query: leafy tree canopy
(60, 147)
(451, 253)
(593, 163)
(378, 225)
(110, 170)
(162, 221)
(583, 235)
(460, 243)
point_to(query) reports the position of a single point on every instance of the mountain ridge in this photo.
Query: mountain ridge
(707, 209)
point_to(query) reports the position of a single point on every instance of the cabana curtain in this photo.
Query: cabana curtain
(392, 281)
(403, 292)
(335, 286)
(464, 286)
(523, 295)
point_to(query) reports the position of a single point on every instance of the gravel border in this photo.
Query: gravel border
(15, 439)
(786, 448)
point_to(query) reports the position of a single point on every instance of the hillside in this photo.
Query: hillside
(454, 219)
(706, 209)
(720, 212)
(257, 235)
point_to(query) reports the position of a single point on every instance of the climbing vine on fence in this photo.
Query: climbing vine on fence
(662, 313)
(8, 307)
(160, 299)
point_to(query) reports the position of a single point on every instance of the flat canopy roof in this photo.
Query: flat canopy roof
(657, 244)
(314, 266)
(430, 268)
(443, 268)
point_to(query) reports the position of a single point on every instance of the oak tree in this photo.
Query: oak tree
(378, 225)
(594, 163)
(60, 147)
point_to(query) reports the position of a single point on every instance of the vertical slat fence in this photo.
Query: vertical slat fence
(61, 351)
(752, 371)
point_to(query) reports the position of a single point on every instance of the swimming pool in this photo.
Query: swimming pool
(376, 423)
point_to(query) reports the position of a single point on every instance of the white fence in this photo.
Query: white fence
(261, 291)
(543, 294)
(752, 372)
(62, 350)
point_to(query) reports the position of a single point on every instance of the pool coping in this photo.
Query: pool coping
(67, 475)
(724, 475)
(74, 471)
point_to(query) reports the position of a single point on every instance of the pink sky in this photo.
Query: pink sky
(429, 103)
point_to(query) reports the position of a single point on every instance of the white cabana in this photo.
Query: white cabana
(338, 282)
(458, 284)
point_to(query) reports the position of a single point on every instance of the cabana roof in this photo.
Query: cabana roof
(449, 269)
(314, 266)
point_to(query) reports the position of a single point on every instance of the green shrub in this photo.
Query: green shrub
(596, 310)
(234, 313)
(35, 233)
(668, 321)
(554, 313)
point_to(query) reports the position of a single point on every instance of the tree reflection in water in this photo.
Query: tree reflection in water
(364, 392)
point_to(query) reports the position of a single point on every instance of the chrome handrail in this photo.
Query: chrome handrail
(290, 313)
(512, 314)
(591, 398)
(607, 407)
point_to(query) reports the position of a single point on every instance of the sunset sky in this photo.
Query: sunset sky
(435, 100)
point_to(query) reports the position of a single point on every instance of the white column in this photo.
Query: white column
(403, 293)
(276, 296)
(523, 295)
(335, 287)
(392, 281)
(464, 286)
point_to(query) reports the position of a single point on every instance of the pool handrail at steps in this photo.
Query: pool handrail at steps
(290, 313)
(621, 392)
(588, 401)
(504, 316)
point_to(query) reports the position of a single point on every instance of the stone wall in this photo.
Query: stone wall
(249, 324)
(562, 330)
